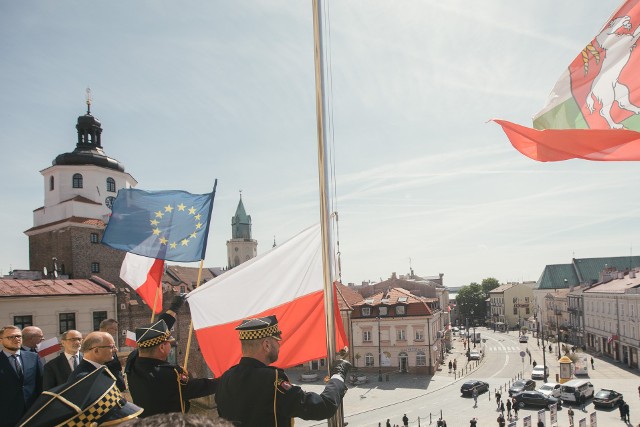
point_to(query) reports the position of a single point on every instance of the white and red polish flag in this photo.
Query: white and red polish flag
(287, 282)
(47, 347)
(130, 340)
(144, 275)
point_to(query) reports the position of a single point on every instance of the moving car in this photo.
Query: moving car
(474, 355)
(467, 388)
(607, 398)
(538, 372)
(550, 389)
(523, 338)
(535, 398)
(521, 385)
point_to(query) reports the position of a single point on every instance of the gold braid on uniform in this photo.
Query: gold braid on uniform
(179, 390)
(96, 411)
(275, 395)
(259, 333)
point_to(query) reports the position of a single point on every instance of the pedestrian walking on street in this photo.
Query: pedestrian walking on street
(388, 423)
(626, 412)
(593, 366)
(501, 421)
(450, 366)
(621, 409)
(582, 403)
(570, 414)
(498, 396)
(474, 393)
(534, 363)
(473, 422)
(502, 409)
(455, 366)
(550, 348)
(509, 408)
(515, 409)
(405, 420)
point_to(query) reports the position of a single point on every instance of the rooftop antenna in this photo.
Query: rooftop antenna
(88, 97)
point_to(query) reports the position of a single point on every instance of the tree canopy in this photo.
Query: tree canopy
(471, 298)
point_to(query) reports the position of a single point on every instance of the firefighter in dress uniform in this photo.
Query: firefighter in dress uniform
(154, 384)
(253, 394)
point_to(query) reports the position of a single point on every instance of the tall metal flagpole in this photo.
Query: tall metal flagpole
(323, 178)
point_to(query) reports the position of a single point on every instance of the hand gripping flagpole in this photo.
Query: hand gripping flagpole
(213, 196)
(323, 168)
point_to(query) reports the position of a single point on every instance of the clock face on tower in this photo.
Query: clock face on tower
(109, 202)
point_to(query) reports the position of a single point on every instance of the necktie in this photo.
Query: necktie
(75, 362)
(17, 365)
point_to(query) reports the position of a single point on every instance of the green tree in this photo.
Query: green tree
(471, 303)
(489, 284)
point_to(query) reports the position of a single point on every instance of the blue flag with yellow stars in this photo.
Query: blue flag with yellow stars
(171, 225)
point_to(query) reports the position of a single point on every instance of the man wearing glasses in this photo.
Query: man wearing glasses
(20, 377)
(58, 370)
(97, 349)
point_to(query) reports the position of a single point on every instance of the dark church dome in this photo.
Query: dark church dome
(89, 147)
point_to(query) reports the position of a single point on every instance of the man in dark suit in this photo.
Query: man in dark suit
(58, 370)
(97, 349)
(114, 365)
(20, 376)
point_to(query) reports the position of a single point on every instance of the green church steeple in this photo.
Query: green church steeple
(241, 223)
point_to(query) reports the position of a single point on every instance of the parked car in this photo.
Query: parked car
(607, 398)
(467, 388)
(455, 330)
(523, 338)
(538, 373)
(550, 389)
(535, 398)
(521, 385)
(572, 390)
(474, 355)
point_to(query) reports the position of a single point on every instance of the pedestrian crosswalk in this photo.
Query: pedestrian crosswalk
(502, 349)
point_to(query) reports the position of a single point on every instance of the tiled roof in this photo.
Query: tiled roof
(74, 220)
(397, 296)
(33, 288)
(615, 285)
(347, 297)
(177, 275)
(502, 288)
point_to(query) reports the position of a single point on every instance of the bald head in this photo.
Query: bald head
(98, 347)
(32, 336)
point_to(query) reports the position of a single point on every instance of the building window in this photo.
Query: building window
(23, 321)
(67, 321)
(95, 238)
(95, 267)
(366, 311)
(368, 359)
(382, 311)
(401, 334)
(366, 336)
(111, 185)
(183, 289)
(77, 180)
(400, 310)
(51, 183)
(421, 359)
(515, 310)
(98, 316)
(419, 335)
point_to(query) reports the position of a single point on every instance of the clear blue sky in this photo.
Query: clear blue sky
(190, 92)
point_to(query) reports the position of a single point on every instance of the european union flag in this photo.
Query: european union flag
(171, 225)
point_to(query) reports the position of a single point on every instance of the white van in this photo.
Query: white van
(574, 388)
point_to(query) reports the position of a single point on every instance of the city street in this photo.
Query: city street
(422, 397)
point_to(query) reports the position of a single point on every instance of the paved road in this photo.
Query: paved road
(421, 396)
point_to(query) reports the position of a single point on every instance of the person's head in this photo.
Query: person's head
(98, 347)
(154, 341)
(260, 339)
(32, 336)
(71, 341)
(11, 337)
(109, 325)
